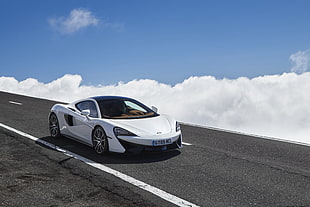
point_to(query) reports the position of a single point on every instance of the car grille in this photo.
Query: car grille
(136, 148)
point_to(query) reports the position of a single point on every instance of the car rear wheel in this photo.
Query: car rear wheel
(100, 141)
(54, 126)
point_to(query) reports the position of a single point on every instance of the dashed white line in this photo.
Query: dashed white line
(16, 103)
(156, 191)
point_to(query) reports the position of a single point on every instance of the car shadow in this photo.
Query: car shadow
(110, 158)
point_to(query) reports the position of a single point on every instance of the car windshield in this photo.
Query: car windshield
(124, 109)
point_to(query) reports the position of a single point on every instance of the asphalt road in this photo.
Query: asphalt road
(218, 169)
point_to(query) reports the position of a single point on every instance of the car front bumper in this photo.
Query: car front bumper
(137, 145)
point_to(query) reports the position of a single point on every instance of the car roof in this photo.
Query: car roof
(102, 98)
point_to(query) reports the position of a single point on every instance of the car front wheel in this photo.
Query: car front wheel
(100, 140)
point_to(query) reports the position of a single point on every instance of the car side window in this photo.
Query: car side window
(88, 105)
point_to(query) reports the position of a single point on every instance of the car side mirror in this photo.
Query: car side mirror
(154, 109)
(85, 112)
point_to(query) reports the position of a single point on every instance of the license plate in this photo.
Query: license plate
(161, 142)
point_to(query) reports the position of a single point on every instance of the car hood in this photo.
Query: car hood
(146, 126)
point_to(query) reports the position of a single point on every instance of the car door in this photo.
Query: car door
(82, 126)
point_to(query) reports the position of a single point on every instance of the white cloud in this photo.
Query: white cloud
(300, 61)
(276, 105)
(77, 20)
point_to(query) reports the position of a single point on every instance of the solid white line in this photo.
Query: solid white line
(16, 103)
(156, 191)
(248, 134)
(188, 144)
(18, 132)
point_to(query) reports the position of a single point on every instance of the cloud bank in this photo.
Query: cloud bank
(77, 20)
(300, 61)
(275, 105)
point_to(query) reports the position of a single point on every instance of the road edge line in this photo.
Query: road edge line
(247, 134)
(142, 185)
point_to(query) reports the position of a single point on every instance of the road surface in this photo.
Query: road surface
(218, 169)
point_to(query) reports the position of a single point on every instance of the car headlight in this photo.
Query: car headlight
(177, 126)
(122, 132)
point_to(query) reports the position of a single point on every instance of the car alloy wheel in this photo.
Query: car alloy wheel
(54, 126)
(100, 141)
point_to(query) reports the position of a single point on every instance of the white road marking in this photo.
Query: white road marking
(248, 134)
(156, 191)
(16, 103)
(188, 144)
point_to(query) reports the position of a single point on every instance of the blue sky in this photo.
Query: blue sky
(163, 40)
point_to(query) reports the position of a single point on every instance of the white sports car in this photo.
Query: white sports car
(115, 124)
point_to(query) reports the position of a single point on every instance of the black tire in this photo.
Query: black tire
(100, 141)
(54, 126)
